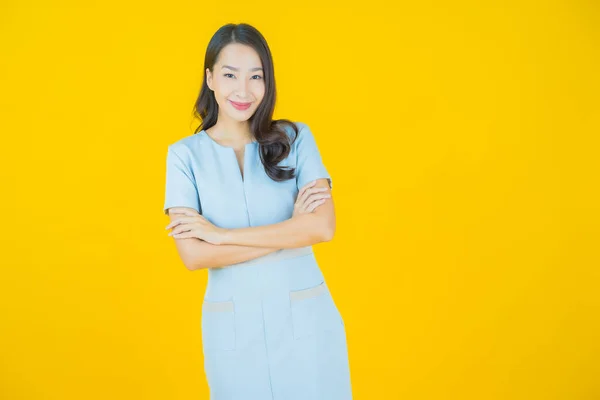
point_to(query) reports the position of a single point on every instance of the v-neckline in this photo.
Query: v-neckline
(241, 170)
(223, 146)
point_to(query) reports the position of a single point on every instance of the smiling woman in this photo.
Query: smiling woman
(253, 195)
(241, 87)
(241, 106)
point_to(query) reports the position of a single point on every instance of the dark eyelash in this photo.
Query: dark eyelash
(253, 75)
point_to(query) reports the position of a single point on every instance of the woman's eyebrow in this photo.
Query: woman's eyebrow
(237, 69)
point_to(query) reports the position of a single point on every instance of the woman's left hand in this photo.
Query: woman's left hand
(189, 224)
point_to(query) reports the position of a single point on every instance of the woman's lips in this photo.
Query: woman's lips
(240, 106)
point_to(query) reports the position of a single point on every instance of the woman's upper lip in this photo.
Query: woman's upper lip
(241, 104)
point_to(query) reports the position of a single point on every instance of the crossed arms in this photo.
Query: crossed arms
(248, 243)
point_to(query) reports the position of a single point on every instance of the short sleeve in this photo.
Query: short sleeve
(180, 190)
(309, 165)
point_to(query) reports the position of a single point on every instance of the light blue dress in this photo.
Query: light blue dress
(270, 327)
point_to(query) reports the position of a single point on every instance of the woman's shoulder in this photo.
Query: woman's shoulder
(301, 127)
(186, 144)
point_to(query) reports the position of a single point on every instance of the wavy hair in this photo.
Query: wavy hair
(274, 143)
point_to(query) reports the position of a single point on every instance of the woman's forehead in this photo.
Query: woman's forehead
(238, 56)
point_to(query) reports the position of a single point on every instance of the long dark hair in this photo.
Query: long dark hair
(273, 141)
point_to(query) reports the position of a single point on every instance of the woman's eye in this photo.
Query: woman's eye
(255, 76)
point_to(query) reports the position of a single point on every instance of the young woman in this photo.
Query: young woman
(248, 197)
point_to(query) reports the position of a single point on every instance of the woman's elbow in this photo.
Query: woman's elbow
(326, 223)
(193, 253)
(192, 267)
(196, 263)
(190, 260)
(327, 233)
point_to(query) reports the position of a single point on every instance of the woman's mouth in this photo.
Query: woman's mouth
(240, 106)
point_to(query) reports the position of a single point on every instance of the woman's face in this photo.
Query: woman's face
(237, 77)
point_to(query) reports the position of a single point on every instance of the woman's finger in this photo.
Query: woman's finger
(308, 185)
(315, 197)
(180, 229)
(311, 191)
(179, 221)
(319, 196)
(315, 204)
(302, 197)
(183, 235)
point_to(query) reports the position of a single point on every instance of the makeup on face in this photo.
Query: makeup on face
(240, 106)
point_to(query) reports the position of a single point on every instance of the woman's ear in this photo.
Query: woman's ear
(209, 79)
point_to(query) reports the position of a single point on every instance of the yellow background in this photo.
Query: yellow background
(463, 141)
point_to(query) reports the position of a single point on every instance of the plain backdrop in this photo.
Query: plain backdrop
(462, 138)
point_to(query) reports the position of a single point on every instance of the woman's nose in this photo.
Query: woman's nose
(242, 88)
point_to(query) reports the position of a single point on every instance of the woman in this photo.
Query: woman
(248, 197)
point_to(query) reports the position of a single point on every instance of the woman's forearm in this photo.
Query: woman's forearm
(208, 255)
(299, 231)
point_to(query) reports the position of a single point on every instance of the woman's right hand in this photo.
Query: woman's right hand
(309, 198)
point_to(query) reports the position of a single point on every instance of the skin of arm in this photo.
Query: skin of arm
(244, 244)
(197, 254)
(298, 231)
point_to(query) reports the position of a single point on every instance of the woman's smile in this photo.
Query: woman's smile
(240, 106)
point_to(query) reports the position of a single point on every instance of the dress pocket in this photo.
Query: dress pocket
(218, 325)
(313, 310)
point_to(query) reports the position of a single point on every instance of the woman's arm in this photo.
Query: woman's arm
(201, 255)
(198, 254)
(298, 231)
